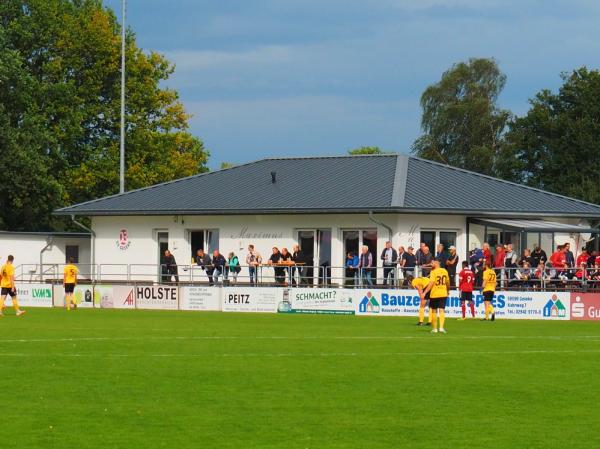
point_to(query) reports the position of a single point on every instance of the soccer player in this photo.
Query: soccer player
(466, 280)
(439, 290)
(489, 288)
(420, 284)
(7, 286)
(69, 282)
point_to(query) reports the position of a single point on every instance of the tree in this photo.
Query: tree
(65, 55)
(225, 165)
(462, 124)
(557, 144)
(366, 150)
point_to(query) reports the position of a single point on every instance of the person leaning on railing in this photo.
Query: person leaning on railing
(352, 263)
(233, 268)
(275, 262)
(219, 263)
(203, 261)
(253, 260)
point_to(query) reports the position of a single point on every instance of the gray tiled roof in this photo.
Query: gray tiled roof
(382, 183)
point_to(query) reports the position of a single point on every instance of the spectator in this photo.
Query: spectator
(487, 255)
(233, 267)
(593, 259)
(219, 264)
(526, 257)
(441, 255)
(539, 255)
(583, 257)
(286, 259)
(352, 269)
(253, 260)
(451, 264)
(582, 273)
(570, 258)
(365, 263)
(558, 259)
(425, 260)
(170, 267)
(510, 261)
(300, 262)
(499, 259)
(524, 274)
(477, 261)
(389, 256)
(409, 261)
(275, 261)
(203, 261)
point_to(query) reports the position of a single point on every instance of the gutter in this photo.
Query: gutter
(93, 246)
(381, 223)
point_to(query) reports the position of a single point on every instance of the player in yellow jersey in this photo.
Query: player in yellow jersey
(69, 282)
(439, 290)
(489, 288)
(7, 286)
(420, 284)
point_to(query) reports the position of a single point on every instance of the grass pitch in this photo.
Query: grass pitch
(142, 379)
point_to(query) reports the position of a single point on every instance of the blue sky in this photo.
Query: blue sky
(315, 77)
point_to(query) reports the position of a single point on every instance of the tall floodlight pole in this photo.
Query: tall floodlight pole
(122, 160)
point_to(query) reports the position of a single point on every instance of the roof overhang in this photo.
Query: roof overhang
(532, 225)
(291, 211)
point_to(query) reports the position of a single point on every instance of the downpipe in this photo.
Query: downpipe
(93, 246)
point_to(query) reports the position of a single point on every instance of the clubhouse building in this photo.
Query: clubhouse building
(329, 206)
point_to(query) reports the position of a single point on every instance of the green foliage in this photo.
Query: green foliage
(557, 144)
(461, 121)
(225, 165)
(60, 108)
(366, 150)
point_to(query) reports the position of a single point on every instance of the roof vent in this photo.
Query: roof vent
(273, 177)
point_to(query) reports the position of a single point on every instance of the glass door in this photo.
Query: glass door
(316, 246)
(163, 245)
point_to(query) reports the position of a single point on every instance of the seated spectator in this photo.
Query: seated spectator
(524, 275)
(351, 269)
(540, 275)
(582, 274)
(527, 257)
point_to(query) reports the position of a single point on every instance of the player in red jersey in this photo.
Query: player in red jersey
(466, 280)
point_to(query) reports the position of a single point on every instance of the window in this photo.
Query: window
(433, 238)
(354, 240)
(72, 251)
(206, 239)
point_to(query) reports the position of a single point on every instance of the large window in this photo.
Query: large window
(316, 247)
(72, 251)
(354, 240)
(433, 238)
(206, 239)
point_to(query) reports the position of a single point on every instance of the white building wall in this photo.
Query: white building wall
(26, 250)
(237, 232)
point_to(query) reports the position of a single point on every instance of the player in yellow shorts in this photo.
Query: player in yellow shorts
(420, 284)
(7, 286)
(439, 290)
(488, 290)
(69, 282)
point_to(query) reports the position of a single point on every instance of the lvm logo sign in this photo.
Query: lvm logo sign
(369, 304)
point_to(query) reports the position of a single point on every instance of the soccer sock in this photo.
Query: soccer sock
(463, 307)
(433, 318)
(442, 314)
(421, 314)
(472, 306)
(487, 311)
(15, 304)
(491, 308)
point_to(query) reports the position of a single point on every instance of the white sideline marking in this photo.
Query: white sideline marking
(323, 337)
(304, 354)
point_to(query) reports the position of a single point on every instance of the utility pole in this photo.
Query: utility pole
(122, 159)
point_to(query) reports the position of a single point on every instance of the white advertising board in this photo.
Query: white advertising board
(157, 297)
(32, 295)
(321, 301)
(115, 296)
(199, 298)
(251, 299)
(507, 304)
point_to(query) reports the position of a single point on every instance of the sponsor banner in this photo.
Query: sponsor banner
(585, 306)
(510, 305)
(199, 298)
(115, 296)
(32, 295)
(83, 295)
(320, 301)
(160, 297)
(251, 299)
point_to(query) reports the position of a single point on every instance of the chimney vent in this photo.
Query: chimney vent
(273, 177)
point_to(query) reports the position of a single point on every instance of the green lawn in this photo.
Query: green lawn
(142, 379)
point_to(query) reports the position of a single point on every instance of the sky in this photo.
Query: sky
(267, 78)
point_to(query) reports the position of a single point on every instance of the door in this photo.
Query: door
(163, 245)
(316, 246)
